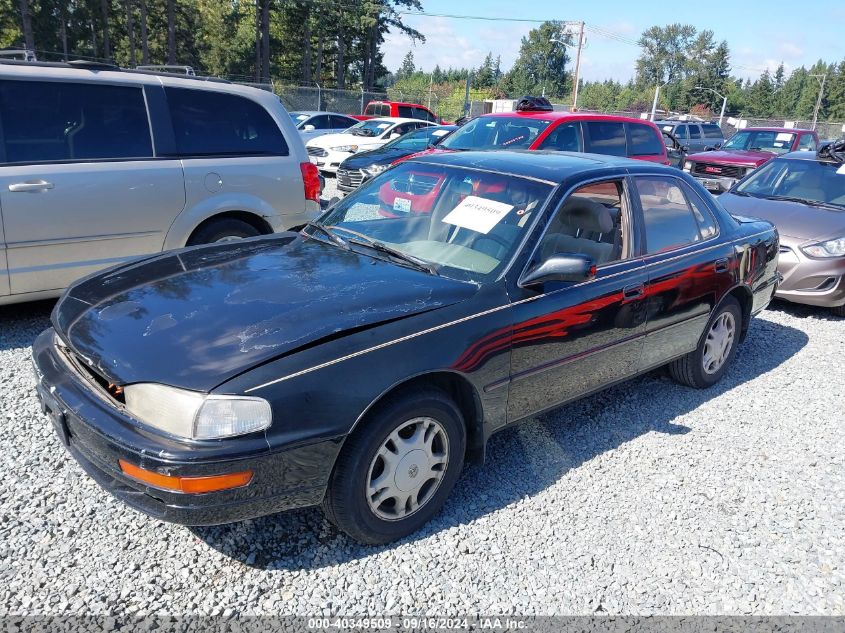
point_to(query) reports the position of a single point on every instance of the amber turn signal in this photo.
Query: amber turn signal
(190, 485)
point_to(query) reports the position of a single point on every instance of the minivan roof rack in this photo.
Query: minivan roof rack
(168, 68)
(83, 64)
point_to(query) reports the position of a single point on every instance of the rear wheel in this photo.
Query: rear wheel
(222, 230)
(395, 472)
(708, 363)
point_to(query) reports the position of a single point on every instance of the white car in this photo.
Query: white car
(330, 150)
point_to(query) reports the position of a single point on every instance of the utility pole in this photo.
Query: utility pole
(819, 100)
(577, 66)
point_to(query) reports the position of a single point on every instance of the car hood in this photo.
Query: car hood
(792, 219)
(334, 140)
(732, 157)
(197, 317)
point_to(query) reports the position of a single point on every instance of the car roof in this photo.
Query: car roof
(393, 119)
(560, 116)
(399, 103)
(548, 165)
(316, 112)
(791, 130)
(677, 122)
(804, 155)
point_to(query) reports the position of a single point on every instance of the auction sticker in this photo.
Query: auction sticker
(478, 214)
(402, 204)
(783, 136)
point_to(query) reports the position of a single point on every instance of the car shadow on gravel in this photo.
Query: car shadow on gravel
(521, 461)
(20, 323)
(801, 311)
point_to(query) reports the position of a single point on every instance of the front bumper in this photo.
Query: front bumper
(97, 433)
(816, 282)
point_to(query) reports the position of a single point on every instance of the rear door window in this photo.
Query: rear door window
(694, 132)
(56, 121)
(320, 122)
(681, 132)
(711, 130)
(208, 123)
(342, 122)
(605, 137)
(670, 223)
(642, 141)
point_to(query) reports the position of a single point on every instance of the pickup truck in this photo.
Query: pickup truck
(744, 152)
(397, 109)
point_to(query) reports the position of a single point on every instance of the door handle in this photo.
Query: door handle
(721, 265)
(36, 185)
(633, 291)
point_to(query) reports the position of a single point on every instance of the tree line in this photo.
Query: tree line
(333, 42)
(339, 44)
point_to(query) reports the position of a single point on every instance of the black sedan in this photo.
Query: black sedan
(358, 363)
(360, 167)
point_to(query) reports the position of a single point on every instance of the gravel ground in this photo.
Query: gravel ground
(649, 498)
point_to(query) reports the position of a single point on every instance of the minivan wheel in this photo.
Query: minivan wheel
(396, 470)
(716, 350)
(222, 230)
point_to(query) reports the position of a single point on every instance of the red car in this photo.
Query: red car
(744, 152)
(396, 109)
(535, 126)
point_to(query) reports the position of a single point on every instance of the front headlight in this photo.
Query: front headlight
(194, 415)
(829, 248)
(375, 170)
(345, 148)
(688, 166)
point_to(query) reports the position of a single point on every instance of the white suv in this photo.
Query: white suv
(100, 165)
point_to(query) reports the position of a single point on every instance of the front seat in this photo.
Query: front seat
(579, 217)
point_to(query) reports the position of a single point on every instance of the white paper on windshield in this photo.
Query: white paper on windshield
(478, 214)
(778, 144)
(841, 170)
(783, 136)
(440, 132)
(402, 204)
(667, 128)
(381, 126)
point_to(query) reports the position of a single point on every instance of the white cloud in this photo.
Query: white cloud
(790, 49)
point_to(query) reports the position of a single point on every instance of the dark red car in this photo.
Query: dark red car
(397, 109)
(744, 152)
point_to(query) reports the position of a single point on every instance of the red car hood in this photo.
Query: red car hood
(745, 158)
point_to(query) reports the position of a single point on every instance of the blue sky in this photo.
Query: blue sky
(760, 34)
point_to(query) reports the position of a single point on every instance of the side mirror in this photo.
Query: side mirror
(565, 267)
(308, 128)
(685, 149)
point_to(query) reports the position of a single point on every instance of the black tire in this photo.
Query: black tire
(220, 229)
(346, 503)
(838, 311)
(689, 370)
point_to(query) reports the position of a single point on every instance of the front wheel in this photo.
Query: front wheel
(396, 471)
(708, 363)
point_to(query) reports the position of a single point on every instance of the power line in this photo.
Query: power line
(487, 18)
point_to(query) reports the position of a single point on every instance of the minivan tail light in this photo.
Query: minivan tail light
(310, 180)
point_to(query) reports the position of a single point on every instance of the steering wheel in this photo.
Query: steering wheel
(493, 237)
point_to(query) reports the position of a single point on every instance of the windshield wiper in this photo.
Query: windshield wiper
(335, 239)
(809, 203)
(381, 247)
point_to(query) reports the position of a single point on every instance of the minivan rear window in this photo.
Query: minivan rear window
(208, 123)
(605, 137)
(47, 121)
(711, 130)
(643, 141)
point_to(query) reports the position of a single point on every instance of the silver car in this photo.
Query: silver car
(99, 166)
(313, 123)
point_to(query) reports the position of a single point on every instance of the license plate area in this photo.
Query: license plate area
(57, 417)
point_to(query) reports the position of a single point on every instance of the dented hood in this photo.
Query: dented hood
(197, 317)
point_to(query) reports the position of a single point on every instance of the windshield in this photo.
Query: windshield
(496, 132)
(767, 141)
(466, 223)
(809, 180)
(370, 127)
(418, 140)
(299, 118)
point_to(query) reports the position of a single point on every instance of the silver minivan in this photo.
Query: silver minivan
(100, 165)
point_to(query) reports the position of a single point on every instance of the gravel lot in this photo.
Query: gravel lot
(648, 498)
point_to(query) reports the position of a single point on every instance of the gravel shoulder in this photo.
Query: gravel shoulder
(649, 498)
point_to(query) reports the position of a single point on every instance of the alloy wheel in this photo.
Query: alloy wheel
(719, 342)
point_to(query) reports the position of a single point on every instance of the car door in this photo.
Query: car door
(4, 267)
(572, 338)
(688, 265)
(696, 138)
(80, 186)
